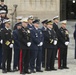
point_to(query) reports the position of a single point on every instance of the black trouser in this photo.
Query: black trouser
(43, 56)
(16, 57)
(25, 59)
(50, 58)
(63, 57)
(6, 57)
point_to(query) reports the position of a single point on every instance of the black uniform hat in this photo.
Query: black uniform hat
(50, 22)
(2, 0)
(36, 21)
(45, 21)
(19, 24)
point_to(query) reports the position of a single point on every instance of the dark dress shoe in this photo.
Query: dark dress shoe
(61, 68)
(47, 69)
(28, 72)
(15, 69)
(53, 69)
(4, 71)
(10, 71)
(32, 71)
(66, 67)
(39, 71)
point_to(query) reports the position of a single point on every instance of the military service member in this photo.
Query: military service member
(51, 42)
(16, 48)
(43, 29)
(7, 46)
(24, 38)
(63, 45)
(3, 6)
(18, 18)
(36, 47)
(30, 20)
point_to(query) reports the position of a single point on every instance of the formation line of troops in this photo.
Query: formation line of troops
(34, 47)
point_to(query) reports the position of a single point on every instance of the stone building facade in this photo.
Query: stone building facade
(39, 8)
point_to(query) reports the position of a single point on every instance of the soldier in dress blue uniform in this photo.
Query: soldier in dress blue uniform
(63, 45)
(36, 47)
(7, 46)
(25, 43)
(51, 42)
(18, 18)
(43, 29)
(30, 20)
(16, 48)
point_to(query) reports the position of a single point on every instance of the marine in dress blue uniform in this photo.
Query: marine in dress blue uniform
(16, 48)
(36, 47)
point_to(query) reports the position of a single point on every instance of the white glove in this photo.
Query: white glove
(55, 42)
(66, 43)
(11, 45)
(1, 41)
(41, 43)
(29, 44)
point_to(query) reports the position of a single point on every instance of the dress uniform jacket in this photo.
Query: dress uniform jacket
(50, 37)
(24, 37)
(7, 38)
(4, 7)
(65, 36)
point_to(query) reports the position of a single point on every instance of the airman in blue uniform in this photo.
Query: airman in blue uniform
(36, 47)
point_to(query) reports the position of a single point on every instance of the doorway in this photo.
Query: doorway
(67, 9)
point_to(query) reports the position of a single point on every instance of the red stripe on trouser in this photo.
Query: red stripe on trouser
(58, 58)
(20, 66)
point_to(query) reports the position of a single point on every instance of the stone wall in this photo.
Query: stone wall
(40, 8)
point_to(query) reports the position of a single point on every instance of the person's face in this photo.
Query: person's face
(18, 27)
(7, 25)
(50, 26)
(45, 25)
(3, 15)
(36, 25)
(24, 24)
(56, 20)
(30, 21)
(63, 25)
(2, 3)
